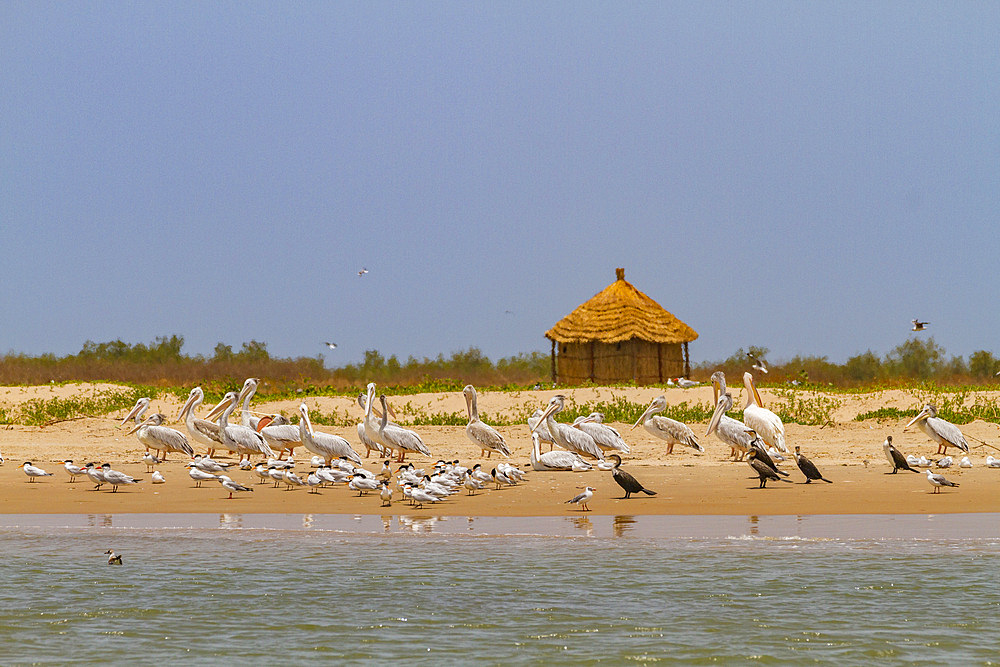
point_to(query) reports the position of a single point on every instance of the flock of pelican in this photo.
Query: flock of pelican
(581, 446)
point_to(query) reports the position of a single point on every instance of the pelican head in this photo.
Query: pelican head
(137, 411)
(929, 411)
(658, 404)
(752, 389)
(194, 398)
(722, 405)
(718, 380)
(556, 404)
(304, 413)
(154, 419)
(227, 400)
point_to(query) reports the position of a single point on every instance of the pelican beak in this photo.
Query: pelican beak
(138, 426)
(715, 391)
(545, 415)
(641, 419)
(135, 410)
(720, 409)
(187, 406)
(923, 413)
(217, 410)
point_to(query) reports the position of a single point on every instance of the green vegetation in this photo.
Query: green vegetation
(40, 412)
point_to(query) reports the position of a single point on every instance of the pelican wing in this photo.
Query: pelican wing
(606, 437)
(168, 439)
(282, 436)
(767, 425)
(332, 446)
(485, 436)
(940, 430)
(672, 430)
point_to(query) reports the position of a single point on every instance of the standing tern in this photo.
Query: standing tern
(33, 471)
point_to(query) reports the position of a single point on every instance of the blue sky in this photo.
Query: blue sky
(803, 176)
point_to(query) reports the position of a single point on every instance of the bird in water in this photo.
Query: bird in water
(583, 498)
(918, 325)
(944, 433)
(808, 468)
(765, 472)
(938, 480)
(896, 458)
(113, 558)
(629, 483)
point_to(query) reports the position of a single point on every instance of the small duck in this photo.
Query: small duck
(113, 558)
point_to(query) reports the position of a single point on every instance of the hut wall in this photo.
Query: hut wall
(638, 360)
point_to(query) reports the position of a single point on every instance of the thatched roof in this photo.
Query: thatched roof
(617, 313)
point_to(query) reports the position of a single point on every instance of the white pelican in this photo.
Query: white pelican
(567, 437)
(674, 432)
(73, 470)
(937, 481)
(606, 437)
(535, 425)
(583, 498)
(767, 424)
(918, 325)
(202, 431)
(280, 434)
(158, 477)
(161, 438)
(480, 433)
(367, 440)
(398, 438)
(135, 414)
(232, 486)
(238, 438)
(730, 431)
(555, 460)
(944, 433)
(117, 478)
(33, 471)
(327, 445)
(246, 394)
(372, 421)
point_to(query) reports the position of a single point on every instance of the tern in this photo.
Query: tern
(73, 470)
(582, 499)
(33, 471)
(232, 486)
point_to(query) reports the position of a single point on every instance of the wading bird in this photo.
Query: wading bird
(480, 433)
(767, 424)
(808, 468)
(567, 437)
(730, 431)
(944, 433)
(670, 430)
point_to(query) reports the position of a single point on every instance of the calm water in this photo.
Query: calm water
(295, 589)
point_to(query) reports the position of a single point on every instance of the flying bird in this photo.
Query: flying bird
(363, 271)
(758, 365)
(332, 346)
(918, 325)
(938, 480)
(629, 483)
(808, 468)
(896, 458)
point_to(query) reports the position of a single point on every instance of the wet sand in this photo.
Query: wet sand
(687, 483)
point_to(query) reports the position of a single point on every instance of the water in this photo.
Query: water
(691, 590)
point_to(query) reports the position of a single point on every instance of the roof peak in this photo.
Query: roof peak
(620, 273)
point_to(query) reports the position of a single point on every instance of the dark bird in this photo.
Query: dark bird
(896, 459)
(808, 468)
(764, 471)
(629, 483)
(113, 558)
(918, 325)
(758, 446)
(332, 346)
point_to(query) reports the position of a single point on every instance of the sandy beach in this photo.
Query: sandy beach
(687, 483)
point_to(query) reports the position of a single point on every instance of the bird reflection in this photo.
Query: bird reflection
(583, 523)
(230, 520)
(622, 524)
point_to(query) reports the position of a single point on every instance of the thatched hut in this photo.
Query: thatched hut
(620, 335)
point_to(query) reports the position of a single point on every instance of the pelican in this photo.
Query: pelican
(117, 478)
(135, 414)
(398, 438)
(555, 460)
(372, 420)
(238, 438)
(280, 435)
(730, 431)
(162, 439)
(246, 393)
(808, 468)
(918, 325)
(607, 438)
(33, 471)
(937, 481)
(367, 440)
(896, 458)
(535, 424)
(232, 486)
(763, 470)
(674, 432)
(945, 434)
(628, 483)
(767, 424)
(480, 433)
(583, 498)
(567, 437)
(327, 445)
(73, 470)
(202, 431)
